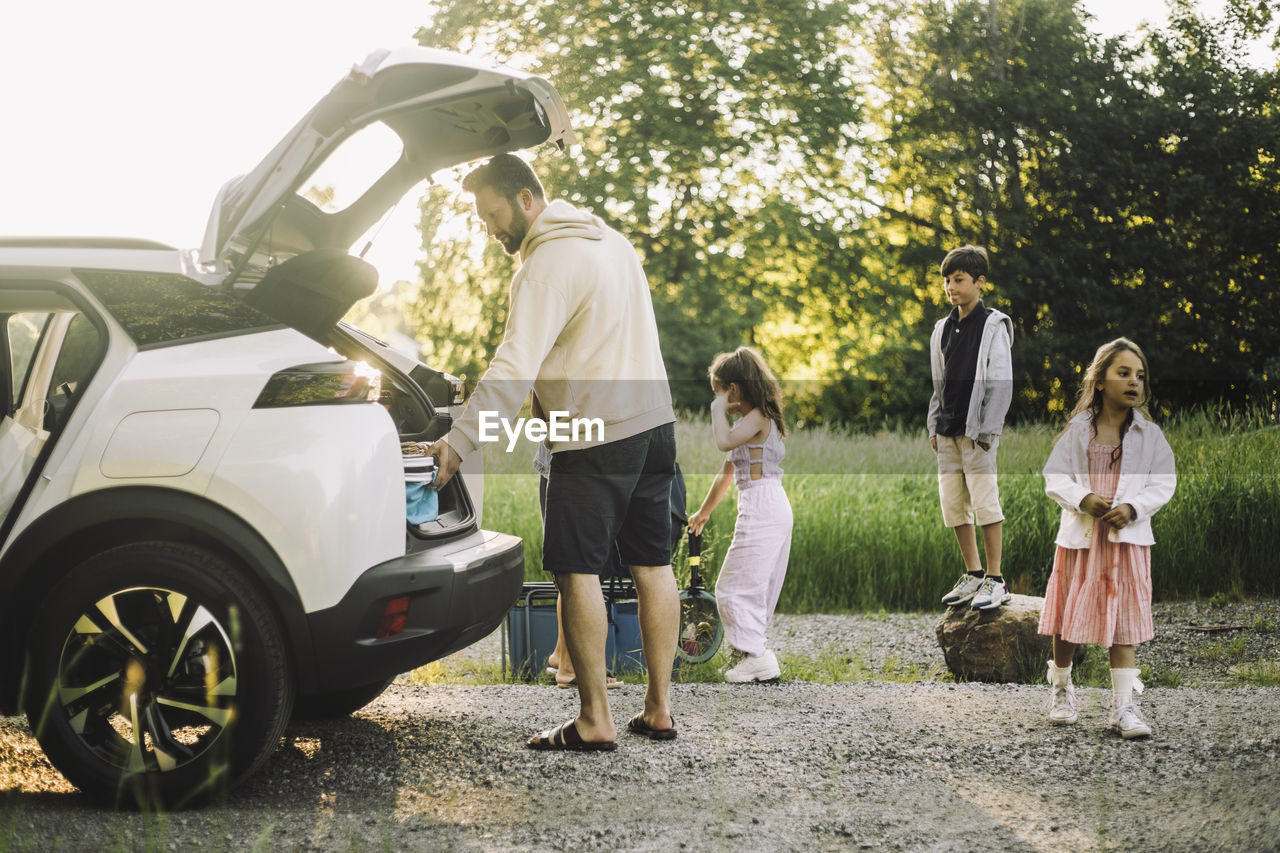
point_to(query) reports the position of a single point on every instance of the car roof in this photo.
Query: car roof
(69, 242)
(25, 257)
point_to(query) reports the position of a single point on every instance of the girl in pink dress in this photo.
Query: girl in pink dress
(1110, 470)
(755, 565)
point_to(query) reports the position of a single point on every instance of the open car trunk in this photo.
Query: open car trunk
(436, 110)
(280, 235)
(416, 419)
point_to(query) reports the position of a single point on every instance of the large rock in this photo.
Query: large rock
(997, 645)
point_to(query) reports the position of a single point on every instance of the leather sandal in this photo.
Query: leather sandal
(566, 737)
(637, 725)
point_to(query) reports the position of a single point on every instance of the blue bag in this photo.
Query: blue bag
(422, 502)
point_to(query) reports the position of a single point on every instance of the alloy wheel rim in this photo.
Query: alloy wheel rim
(147, 679)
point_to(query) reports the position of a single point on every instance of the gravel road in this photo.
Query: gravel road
(800, 765)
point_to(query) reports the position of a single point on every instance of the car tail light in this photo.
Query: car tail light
(327, 383)
(394, 616)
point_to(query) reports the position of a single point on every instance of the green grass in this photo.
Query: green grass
(835, 667)
(1233, 650)
(869, 533)
(1262, 673)
(1160, 675)
(459, 671)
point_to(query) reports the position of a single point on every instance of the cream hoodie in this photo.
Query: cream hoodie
(580, 331)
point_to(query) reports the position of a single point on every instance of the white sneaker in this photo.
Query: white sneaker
(1062, 695)
(963, 590)
(1062, 705)
(755, 668)
(1127, 720)
(991, 594)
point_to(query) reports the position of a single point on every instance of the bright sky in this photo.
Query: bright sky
(125, 117)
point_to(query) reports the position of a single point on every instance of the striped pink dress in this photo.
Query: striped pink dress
(1100, 594)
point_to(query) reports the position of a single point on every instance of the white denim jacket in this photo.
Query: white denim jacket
(1147, 480)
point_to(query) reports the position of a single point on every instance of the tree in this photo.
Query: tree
(982, 105)
(716, 135)
(1211, 230)
(793, 172)
(1104, 180)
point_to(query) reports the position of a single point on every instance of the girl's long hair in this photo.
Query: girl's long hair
(756, 382)
(1091, 395)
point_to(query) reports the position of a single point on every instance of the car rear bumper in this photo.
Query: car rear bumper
(458, 593)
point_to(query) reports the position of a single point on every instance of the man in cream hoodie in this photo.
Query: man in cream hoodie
(581, 335)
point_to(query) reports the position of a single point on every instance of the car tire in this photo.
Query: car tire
(339, 703)
(158, 676)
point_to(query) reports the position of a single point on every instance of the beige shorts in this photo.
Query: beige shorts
(967, 482)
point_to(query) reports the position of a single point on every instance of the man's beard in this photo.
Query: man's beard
(512, 238)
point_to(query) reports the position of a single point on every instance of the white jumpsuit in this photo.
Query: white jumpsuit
(755, 565)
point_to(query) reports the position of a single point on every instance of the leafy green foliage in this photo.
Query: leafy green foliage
(715, 135)
(792, 173)
(1120, 191)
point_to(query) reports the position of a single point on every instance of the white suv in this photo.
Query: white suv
(202, 497)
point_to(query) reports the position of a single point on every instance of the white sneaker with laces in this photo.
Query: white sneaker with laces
(1062, 696)
(991, 594)
(755, 668)
(963, 590)
(1127, 720)
(1062, 706)
(1125, 716)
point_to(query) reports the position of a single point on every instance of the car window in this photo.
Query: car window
(157, 309)
(351, 168)
(22, 333)
(79, 351)
(51, 354)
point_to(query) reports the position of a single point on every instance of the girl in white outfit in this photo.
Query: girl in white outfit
(756, 563)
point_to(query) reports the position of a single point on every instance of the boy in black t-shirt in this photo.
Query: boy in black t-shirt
(972, 370)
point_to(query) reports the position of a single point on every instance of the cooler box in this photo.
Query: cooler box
(529, 632)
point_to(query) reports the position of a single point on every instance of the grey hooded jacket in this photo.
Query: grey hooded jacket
(993, 379)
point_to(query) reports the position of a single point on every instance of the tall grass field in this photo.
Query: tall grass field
(869, 533)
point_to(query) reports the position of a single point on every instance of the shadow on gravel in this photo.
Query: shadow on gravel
(331, 785)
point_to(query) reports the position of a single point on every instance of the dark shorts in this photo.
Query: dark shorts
(615, 569)
(618, 492)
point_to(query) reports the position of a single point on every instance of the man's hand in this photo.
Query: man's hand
(447, 461)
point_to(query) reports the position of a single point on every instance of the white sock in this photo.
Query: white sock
(1059, 676)
(1124, 683)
